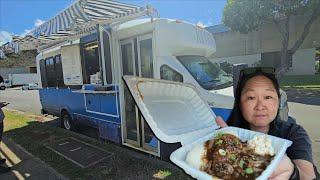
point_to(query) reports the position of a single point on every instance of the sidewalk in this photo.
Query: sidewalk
(25, 165)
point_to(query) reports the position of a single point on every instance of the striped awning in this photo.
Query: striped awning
(83, 15)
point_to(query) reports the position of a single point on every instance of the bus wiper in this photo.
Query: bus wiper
(213, 80)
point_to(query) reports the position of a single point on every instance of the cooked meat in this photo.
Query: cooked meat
(229, 158)
(223, 169)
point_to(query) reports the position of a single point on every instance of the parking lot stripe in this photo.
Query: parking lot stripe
(76, 149)
(64, 143)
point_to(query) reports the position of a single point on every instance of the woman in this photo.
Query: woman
(256, 108)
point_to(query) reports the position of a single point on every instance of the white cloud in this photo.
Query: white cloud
(5, 37)
(26, 31)
(200, 24)
(38, 22)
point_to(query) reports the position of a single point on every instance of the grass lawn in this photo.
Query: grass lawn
(124, 163)
(301, 81)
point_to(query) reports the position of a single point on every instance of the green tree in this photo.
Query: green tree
(248, 15)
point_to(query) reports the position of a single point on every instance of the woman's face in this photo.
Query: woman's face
(259, 102)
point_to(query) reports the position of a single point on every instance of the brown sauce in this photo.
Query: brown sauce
(229, 158)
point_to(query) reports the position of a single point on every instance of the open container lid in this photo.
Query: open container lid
(174, 111)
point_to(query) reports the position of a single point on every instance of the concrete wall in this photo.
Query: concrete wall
(4, 72)
(303, 62)
(247, 48)
(266, 39)
(231, 44)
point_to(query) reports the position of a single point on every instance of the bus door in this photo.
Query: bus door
(137, 60)
(100, 97)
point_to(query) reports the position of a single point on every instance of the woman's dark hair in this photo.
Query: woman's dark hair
(236, 118)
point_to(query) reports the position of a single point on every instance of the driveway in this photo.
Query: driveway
(304, 105)
(304, 96)
(23, 100)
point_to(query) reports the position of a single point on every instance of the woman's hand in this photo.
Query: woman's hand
(221, 122)
(284, 169)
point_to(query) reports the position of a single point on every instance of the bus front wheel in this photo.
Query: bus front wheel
(66, 122)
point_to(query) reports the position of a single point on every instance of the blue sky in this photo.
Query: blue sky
(20, 16)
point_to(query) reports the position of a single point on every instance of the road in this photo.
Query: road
(23, 100)
(308, 117)
(303, 105)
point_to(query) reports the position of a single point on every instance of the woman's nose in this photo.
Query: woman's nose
(260, 104)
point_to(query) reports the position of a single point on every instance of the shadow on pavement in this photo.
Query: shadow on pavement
(304, 96)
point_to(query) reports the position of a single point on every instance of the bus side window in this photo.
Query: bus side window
(91, 66)
(59, 73)
(168, 73)
(51, 72)
(43, 73)
(107, 56)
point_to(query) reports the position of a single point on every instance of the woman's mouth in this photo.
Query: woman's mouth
(260, 116)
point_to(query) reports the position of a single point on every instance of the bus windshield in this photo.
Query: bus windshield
(208, 74)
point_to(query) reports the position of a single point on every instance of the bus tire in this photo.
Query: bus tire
(43, 111)
(67, 122)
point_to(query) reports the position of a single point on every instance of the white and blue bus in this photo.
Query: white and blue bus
(82, 81)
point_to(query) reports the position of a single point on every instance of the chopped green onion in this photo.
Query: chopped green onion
(219, 135)
(222, 152)
(220, 141)
(241, 163)
(249, 170)
(233, 157)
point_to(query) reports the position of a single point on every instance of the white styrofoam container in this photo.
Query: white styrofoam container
(176, 113)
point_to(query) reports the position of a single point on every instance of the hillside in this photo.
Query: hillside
(22, 59)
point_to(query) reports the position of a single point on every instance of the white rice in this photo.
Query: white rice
(261, 145)
(195, 156)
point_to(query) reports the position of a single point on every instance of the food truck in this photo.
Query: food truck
(82, 81)
(85, 51)
(81, 73)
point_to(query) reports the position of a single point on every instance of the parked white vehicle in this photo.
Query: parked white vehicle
(5, 84)
(21, 79)
(30, 87)
(2, 86)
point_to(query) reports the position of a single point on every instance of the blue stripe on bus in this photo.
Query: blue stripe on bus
(96, 110)
(223, 112)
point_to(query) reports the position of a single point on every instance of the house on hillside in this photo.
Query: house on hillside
(2, 55)
(18, 44)
(262, 47)
(9, 48)
(27, 42)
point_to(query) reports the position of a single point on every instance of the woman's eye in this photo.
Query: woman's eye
(250, 98)
(269, 97)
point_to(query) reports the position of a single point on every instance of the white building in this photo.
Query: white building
(263, 46)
